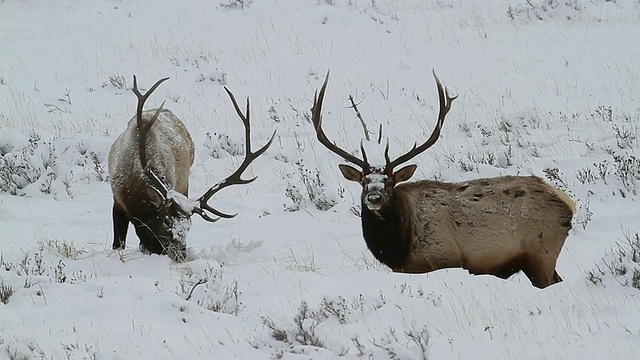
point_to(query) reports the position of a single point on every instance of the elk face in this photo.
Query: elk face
(167, 226)
(377, 183)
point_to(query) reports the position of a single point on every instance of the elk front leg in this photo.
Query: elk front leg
(120, 226)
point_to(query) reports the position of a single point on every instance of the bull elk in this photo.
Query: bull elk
(497, 226)
(149, 167)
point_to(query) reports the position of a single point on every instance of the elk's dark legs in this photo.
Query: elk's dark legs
(541, 274)
(148, 239)
(120, 226)
(556, 277)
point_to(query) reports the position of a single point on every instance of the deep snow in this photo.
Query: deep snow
(542, 85)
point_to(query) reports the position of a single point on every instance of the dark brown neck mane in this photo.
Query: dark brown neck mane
(383, 232)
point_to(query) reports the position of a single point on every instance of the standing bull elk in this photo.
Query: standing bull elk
(149, 167)
(496, 226)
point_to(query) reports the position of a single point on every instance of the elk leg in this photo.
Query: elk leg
(556, 277)
(508, 268)
(120, 226)
(148, 240)
(541, 273)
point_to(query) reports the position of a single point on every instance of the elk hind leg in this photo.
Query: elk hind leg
(507, 269)
(120, 227)
(541, 271)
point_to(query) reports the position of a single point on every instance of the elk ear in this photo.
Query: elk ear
(350, 173)
(404, 174)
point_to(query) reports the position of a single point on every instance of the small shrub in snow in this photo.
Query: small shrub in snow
(78, 351)
(218, 76)
(465, 166)
(625, 136)
(604, 112)
(546, 9)
(622, 264)
(215, 295)
(116, 80)
(273, 114)
(555, 176)
(293, 262)
(304, 330)
(235, 4)
(219, 145)
(293, 192)
(338, 308)
(398, 348)
(35, 269)
(28, 265)
(627, 169)
(5, 292)
(315, 190)
(585, 176)
(63, 248)
(49, 167)
(584, 214)
(17, 168)
(591, 175)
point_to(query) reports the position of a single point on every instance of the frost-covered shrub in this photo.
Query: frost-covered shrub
(546, 9)
(41, 267)
(219, 145)
(30, 165)
(116, 80)
(621, 265)
(569, 10)
(303, 330)
(5, 292)
(215, 294)
(311, 330)
(315, 189)
(303, 327)
(235, 4)
(627, 169)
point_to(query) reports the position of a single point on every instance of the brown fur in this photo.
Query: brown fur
(488, 226)
(170, 154)
(172, 166)
(496, 226)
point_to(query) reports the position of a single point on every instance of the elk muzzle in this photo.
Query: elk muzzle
(374, 200)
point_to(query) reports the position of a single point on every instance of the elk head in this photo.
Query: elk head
(378, 181)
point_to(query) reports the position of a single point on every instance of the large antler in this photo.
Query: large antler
(143, 132)
(236, 177)
(143, 128)
(316, 118)
(445, 106)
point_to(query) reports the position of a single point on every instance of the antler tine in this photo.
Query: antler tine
(445, 105)
(143, 132)
(236, 177)
(316, 118)
(143, 129)
(142, 98)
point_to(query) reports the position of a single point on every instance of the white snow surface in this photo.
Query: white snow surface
(542, 85)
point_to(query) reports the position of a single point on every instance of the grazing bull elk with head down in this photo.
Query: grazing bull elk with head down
(149, 166)
(496, 226)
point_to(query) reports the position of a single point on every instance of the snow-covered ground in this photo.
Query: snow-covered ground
(546, 87)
